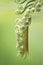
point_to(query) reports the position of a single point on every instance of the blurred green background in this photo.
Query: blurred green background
(8, 52)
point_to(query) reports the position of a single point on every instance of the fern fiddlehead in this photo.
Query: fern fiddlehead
(22, 24)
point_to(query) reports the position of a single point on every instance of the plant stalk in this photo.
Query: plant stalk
(26, 38)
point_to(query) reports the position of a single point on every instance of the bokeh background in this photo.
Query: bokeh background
(8, 52)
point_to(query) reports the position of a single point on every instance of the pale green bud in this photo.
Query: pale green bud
(22, 27)
(17, 19)
(27, 23)
(20, 43)
(20, 7)
(38, 6)
(17, 46)
(18, 11)
(27, 13)
(32, 10)
(22, 47)
(17, 26)
(20, 39)
(20, 20)
(24, 18)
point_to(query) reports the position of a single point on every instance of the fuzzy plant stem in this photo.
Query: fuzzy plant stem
(23, 23)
